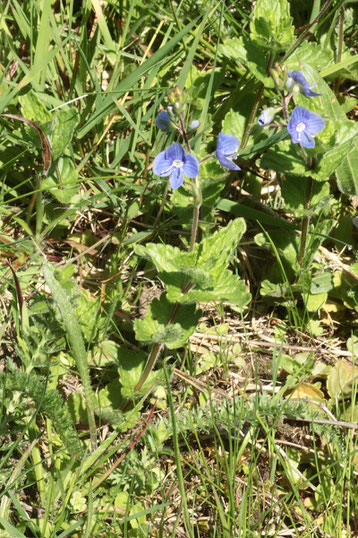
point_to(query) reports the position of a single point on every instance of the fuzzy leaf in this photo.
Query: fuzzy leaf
(294, 191)
(284, 158)
(309, 53)
(63, 126)
(347, 171)
(205, 267)
(33, 109)
(154, 328)
(341, 159)
(227, 287)
(271, 26)
(64, 186)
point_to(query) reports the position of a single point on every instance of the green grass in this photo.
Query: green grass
(216, 443)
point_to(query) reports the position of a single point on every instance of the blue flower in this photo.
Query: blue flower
(303, 125)
(194, 125)
(226, 150)
(266, 116)
(299, 78)
(174, 162)
(163, 121)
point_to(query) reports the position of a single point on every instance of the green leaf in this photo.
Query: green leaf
(271, 26)
(347, 171)
(342, 160)
(226, 287)
(315, 302)
(309, 53)
(326, 105)
(322, 283)
(243, 210)
(341, 378)
(63, 125)
(234, 123)
(294, 191)
(131, 365)
(284, 158)
(63, 186)
(205, 267)
(346, 62)
(33, 109)
(264, 144)
(250, 55)
(154, 327)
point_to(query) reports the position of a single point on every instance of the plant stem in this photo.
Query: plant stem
(305, 221)
(252, 116)
(156, 349)
(196, 214)
(339, 47)
(39, 210)
(154, 354)
(253, 113)
(187, 524)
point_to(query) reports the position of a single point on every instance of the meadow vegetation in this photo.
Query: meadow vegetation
(178, 268)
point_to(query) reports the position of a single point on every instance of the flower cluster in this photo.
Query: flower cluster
(303, 124)
(176, 163)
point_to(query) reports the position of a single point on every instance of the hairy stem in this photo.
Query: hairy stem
(39, 210)
(156, 349)
(305, 222)
(253, 113)
(339, 47)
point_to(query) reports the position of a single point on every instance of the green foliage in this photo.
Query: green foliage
(271, 26)
(50, 403)
(154, 327)
(93, 78)
(247, 52)
(203, 270)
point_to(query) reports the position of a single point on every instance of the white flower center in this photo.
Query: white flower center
(177, 163)
(300, 127)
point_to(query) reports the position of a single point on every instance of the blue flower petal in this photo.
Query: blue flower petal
(306, 140)
(226, 150)
(175, 152)
(266, 117)
(299, 78)
(161, 165)
(228, 144)
(191, 165)
(174, 162)
(163, 121)
(315, 123)
(176, 178)
(303, 125)
(225, 162)
(310, 93)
